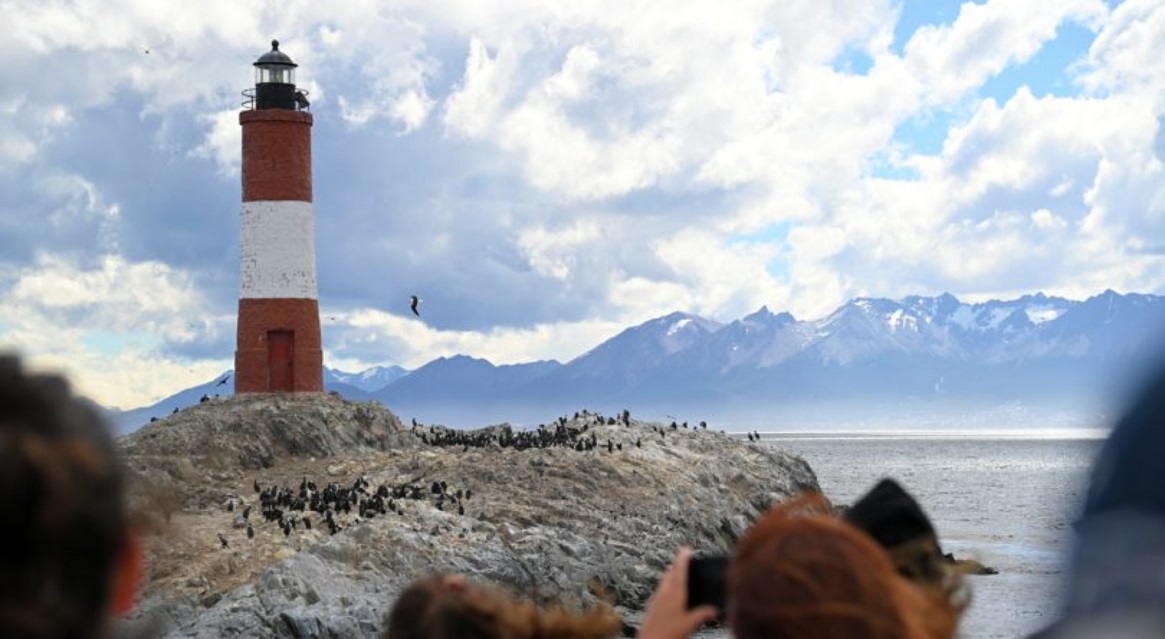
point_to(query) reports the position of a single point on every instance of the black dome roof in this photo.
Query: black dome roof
(275, 56)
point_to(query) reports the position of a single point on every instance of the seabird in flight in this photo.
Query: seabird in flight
(414, 301)
(223, 380)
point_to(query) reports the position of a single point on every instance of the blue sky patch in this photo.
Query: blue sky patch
(778, 233)
(779, 268)
(1049, 71)
(925, 133)
(919, 13)
(853, 60)
(110, 344)
(887, 171)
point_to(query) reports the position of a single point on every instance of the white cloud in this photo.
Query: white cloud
(223, 142)
(117, 293)
(415, 343)
(718, 277)
(1022, 198)
(1123, 56)
(103, 326)
(411, 109)
(472, 107)
(553, 253)
(1045, 220)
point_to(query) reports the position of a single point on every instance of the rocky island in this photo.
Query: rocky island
(305, 515)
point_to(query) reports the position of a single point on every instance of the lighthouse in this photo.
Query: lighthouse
(278, 344)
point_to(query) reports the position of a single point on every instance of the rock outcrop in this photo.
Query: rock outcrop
(585, 508)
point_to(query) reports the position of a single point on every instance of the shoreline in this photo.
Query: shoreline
(1035, 434)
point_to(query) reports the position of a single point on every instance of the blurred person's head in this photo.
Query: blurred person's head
(894, 519)
(1117, 571)
(450, 607)
(801, 573)
(67, 560)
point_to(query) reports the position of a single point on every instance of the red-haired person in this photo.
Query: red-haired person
(446, 606)
(799, 573)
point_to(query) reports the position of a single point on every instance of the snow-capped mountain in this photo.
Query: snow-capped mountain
(369, 381)
(871, 356)
(635, 353)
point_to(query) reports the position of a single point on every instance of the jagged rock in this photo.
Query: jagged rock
(276, 425)
(555, 523)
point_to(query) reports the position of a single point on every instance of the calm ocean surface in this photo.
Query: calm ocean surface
(1005, 499)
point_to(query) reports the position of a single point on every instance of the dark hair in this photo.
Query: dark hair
(61, 492)
(431, 609)
(799, 573)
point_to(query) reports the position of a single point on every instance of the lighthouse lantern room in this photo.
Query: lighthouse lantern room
(278, 343)
(275, 80)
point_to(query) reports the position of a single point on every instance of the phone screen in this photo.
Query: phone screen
(708, 581)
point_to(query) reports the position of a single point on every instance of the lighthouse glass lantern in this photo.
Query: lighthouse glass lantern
(275, 80)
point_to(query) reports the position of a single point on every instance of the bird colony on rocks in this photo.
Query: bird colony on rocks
(305, 515)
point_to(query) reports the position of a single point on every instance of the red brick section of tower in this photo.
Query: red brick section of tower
(278, 346)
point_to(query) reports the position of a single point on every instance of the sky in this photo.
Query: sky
(545, 174)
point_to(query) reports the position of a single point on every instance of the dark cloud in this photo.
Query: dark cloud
(175, 208)
(170, 207)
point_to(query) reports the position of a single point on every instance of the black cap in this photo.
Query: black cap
(890, 515)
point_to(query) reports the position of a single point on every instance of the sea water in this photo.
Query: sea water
(1007, 499)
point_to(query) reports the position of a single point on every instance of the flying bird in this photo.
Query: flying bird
(223, 380)
(414, 301)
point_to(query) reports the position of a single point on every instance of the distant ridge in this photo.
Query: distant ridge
(919, 360)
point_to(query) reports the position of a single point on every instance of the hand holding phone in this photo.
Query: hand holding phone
(708, 581)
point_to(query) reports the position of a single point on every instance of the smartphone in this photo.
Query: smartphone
(708, 581)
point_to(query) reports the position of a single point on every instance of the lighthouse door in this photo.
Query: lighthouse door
(280, 346)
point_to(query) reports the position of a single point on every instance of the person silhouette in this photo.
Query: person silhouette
(1116, 584)
(68, 559)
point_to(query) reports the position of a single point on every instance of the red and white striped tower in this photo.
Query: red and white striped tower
(278, 346)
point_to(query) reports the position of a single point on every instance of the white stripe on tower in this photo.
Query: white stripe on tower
(278, 250)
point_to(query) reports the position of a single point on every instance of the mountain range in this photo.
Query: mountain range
(919, 361)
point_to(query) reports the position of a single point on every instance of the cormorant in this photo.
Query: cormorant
(414, 301)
